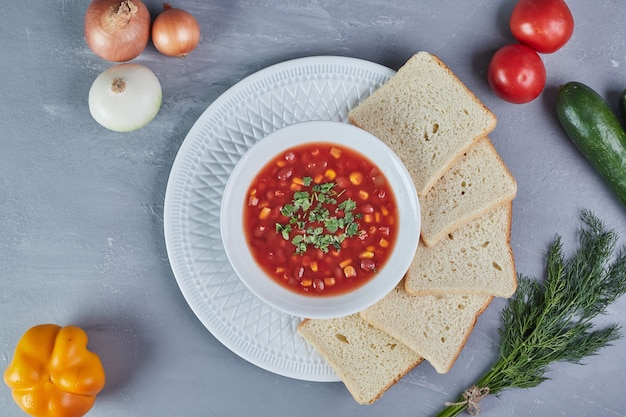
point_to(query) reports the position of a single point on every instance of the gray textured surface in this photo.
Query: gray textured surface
(81, 208)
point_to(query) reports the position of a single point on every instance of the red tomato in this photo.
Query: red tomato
(544, 25)
(516, 73)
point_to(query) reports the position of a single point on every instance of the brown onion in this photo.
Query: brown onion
(175, 32)
(117, 30)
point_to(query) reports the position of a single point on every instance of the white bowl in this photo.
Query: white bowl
(311, 306)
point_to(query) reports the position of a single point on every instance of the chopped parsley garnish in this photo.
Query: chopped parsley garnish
(315, 215)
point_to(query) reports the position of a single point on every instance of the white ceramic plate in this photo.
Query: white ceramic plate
(257, 280)
(313, 88)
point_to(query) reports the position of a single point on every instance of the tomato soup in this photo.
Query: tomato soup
(320, 219)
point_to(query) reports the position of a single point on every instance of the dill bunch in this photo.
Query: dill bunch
(551, 321)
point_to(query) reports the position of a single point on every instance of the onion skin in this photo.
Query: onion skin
(175, 32)
(125, 97)
(117, 30)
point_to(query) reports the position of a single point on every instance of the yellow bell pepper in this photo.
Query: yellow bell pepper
(52, 373)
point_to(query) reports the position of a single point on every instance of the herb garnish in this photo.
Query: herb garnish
(310, 214)
(551, 321)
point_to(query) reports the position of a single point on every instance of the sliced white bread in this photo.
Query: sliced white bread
(478, 182)
(427, 116)
(367, 360)
(474, 259)
(436, 328)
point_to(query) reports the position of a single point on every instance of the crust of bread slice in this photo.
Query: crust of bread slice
(436, 328)
(474, 259)
(367, 360)
(427, 116)
(478, 182)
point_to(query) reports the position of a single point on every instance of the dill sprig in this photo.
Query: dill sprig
(551, 321)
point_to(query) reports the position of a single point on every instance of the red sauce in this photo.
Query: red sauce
(320, 219)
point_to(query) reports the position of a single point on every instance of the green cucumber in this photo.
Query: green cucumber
(622, 105)
(596, 132)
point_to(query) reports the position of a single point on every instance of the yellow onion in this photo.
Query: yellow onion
(175, 32)
(117, 30)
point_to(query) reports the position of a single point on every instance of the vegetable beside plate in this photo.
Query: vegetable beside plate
(175, 32)
(622, 105)
(53, 374)
(544, 25)
(125, 97)
(516, 74)
(117, 30)
(596, 131)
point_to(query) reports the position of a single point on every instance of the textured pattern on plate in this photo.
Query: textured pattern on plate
(314, 88)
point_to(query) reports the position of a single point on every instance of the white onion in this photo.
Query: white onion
(125, 97)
